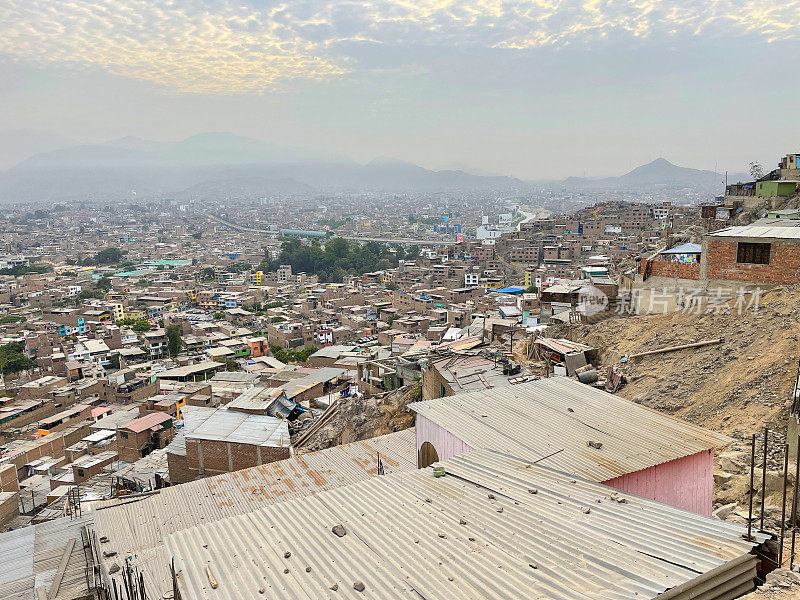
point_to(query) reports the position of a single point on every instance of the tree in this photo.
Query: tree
(208, 274)
(113, 361)
(531, 289)
(218, 316)
(141, 325)
(13, 359)
(104, 283)
(756, 170)
(174, 339)
(108, 256)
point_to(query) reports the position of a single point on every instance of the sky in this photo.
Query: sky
(534, 89)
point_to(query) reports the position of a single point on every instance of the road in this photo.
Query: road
(384, 240)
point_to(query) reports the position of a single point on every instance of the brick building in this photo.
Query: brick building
(218, 441)
(143, 435)
(761, 253)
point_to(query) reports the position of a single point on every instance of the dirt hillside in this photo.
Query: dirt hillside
(734, 387)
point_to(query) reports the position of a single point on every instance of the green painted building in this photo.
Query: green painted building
(771, 189)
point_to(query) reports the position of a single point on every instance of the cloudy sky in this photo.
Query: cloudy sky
(543, 88)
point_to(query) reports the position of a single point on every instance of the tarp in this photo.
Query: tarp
(509, 290)
(684, 249)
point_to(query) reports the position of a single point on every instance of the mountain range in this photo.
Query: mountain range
(224, 165)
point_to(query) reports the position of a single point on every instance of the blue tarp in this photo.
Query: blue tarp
(684, 249)
(509, 290)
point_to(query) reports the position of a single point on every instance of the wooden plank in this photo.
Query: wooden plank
(61, 568)
(41, 593)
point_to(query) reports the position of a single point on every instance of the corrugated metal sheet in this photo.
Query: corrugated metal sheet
(762, 231)
(406, 539)
(223, 425)
(140, 527)
(559, 416)
(30, 556)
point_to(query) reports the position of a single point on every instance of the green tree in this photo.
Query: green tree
(13, 359)
(104, 283)
(113, 361)
(531, 289)
(174, 339)
(141, 325)
(108, 256)
(208, 274)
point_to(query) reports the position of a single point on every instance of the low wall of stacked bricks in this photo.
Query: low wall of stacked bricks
(784, 262)
(672, 269)
(211, 457)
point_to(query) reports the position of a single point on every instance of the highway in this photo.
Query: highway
(404, 241)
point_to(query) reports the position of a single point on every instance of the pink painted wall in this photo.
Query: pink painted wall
(447, 445)
(686, 482)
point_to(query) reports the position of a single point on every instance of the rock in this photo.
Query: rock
(462, 521)
(114, 568)
(443, 536)
(287, 554)
(334, 587)
(724, 511)
(733, 461)
(339, 530)
(308, 569)
(359, 586)
(722, 479)
(586, 510)
(533, 491)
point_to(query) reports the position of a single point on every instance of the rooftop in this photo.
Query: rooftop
(557, 417)
(143, 526)
(237, 427)
(415, 535)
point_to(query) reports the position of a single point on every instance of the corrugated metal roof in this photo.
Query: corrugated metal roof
(559, 416)
(412, 535)
(147, 422)
(762, 231)
(140, 527)
(237, 427)
(257, 398)
(30, 557)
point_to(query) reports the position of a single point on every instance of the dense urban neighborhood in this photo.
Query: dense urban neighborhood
(349, 379)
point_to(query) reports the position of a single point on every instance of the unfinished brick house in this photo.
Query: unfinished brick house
(215, 441)
(143, 435)
(729, 262)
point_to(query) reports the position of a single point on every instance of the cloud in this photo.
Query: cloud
(220, 46)
(187, 46)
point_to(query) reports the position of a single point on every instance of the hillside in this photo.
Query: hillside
(734, 387)
(198, 165)
(659, 172)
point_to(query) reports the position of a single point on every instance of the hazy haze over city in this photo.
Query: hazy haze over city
(542, 89)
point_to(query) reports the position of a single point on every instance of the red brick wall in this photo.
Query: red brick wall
(783, 267)
(51, 445)
(8, 479)
(129, 449)
(218, 456)
(667, 268)
(178, 469)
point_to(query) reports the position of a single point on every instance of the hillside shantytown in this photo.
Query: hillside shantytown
(558, 393)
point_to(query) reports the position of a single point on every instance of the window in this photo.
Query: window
(124, 435)
(80, 472)
(755, 254)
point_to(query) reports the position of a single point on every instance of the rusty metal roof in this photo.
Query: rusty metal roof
(559, 417)
(476, 532)
(141, 527)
